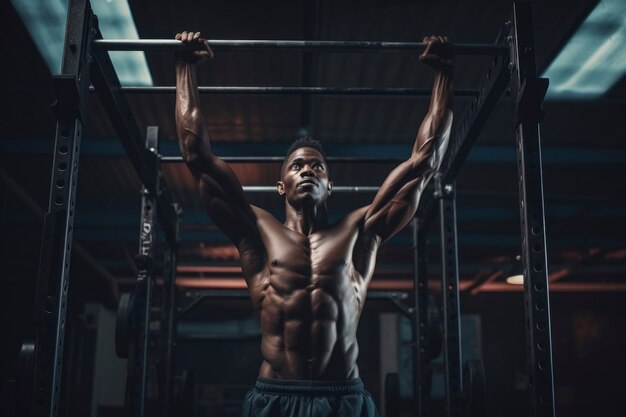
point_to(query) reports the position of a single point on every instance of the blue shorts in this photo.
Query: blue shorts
(282, 398)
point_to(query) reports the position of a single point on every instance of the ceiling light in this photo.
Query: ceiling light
(594, 59)
(515, 275)
(515, 280)
(45, 22)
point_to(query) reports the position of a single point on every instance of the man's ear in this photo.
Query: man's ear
(330, 187)
(280, 187)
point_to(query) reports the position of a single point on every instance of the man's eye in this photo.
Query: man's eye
(295, 166)
(318, 166)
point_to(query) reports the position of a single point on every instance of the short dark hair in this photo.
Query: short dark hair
(306, 142)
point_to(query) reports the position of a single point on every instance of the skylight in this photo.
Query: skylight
(45, 22)
(594, 59)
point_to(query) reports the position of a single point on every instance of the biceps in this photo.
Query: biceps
(396, 213)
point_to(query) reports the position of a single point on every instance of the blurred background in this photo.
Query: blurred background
(579, 46)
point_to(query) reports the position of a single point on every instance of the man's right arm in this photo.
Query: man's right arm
(219, 187)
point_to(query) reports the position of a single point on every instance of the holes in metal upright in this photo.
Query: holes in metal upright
(530, 90)
(450, 302)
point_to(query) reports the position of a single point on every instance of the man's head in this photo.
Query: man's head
(304, 174)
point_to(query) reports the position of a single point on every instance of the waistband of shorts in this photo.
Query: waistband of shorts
(335, 387)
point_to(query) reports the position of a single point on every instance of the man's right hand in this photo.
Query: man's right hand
(193, 56)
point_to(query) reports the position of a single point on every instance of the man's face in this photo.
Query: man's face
(305, 178)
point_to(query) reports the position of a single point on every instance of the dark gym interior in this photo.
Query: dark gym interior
(217, 354)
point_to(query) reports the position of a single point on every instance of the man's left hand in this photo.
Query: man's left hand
(438, 53)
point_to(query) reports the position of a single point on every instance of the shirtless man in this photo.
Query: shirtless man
(307, 278)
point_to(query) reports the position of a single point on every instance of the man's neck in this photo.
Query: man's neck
(305, 219)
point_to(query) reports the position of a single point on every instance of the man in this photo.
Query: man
(307, 278)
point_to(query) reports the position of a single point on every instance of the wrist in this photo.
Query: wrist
(447, 73)
(180, 63)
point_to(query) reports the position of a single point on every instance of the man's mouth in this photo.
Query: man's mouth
(305, 182)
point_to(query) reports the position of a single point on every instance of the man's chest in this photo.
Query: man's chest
(322, 259)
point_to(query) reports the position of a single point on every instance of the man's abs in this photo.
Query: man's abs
(309, 335)
(309, 298)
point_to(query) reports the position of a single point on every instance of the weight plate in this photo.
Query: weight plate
(24, 381)
(474, 384)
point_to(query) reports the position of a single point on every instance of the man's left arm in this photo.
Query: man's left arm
(396, 201)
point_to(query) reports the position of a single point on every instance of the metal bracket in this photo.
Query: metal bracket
(443, 192)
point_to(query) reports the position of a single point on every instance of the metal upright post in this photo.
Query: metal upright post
(450, 301)
(137, 379)
(530, 93)
(421, 362)
(168, 323)
(41, 380)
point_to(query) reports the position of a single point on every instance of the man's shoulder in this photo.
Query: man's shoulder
(263, 215)
(354, 217)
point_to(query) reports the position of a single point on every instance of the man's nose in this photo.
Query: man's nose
(307, 171)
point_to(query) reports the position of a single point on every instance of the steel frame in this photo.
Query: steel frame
(513, 56)
(422, 369)
(137, 375)
(450, 298)
(529, 93)
(43, 385)
(168, 327)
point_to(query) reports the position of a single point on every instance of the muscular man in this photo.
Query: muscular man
(308, 278)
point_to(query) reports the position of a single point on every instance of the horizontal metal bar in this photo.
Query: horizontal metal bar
(244, 293)
(339, 189)
(278, 90)
(280, 159)
(329, 46)
(393, 153)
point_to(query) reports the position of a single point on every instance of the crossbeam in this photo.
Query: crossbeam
(164, 45)
(279, 90)
(281, 159)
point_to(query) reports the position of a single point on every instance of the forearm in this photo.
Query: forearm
(439, 117)
(190, 123)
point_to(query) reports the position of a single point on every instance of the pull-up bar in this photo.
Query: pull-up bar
(338, 189)
(281, 159)
(278, 90)
(327, 46)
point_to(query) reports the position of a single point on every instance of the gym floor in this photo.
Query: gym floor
(584, 154)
